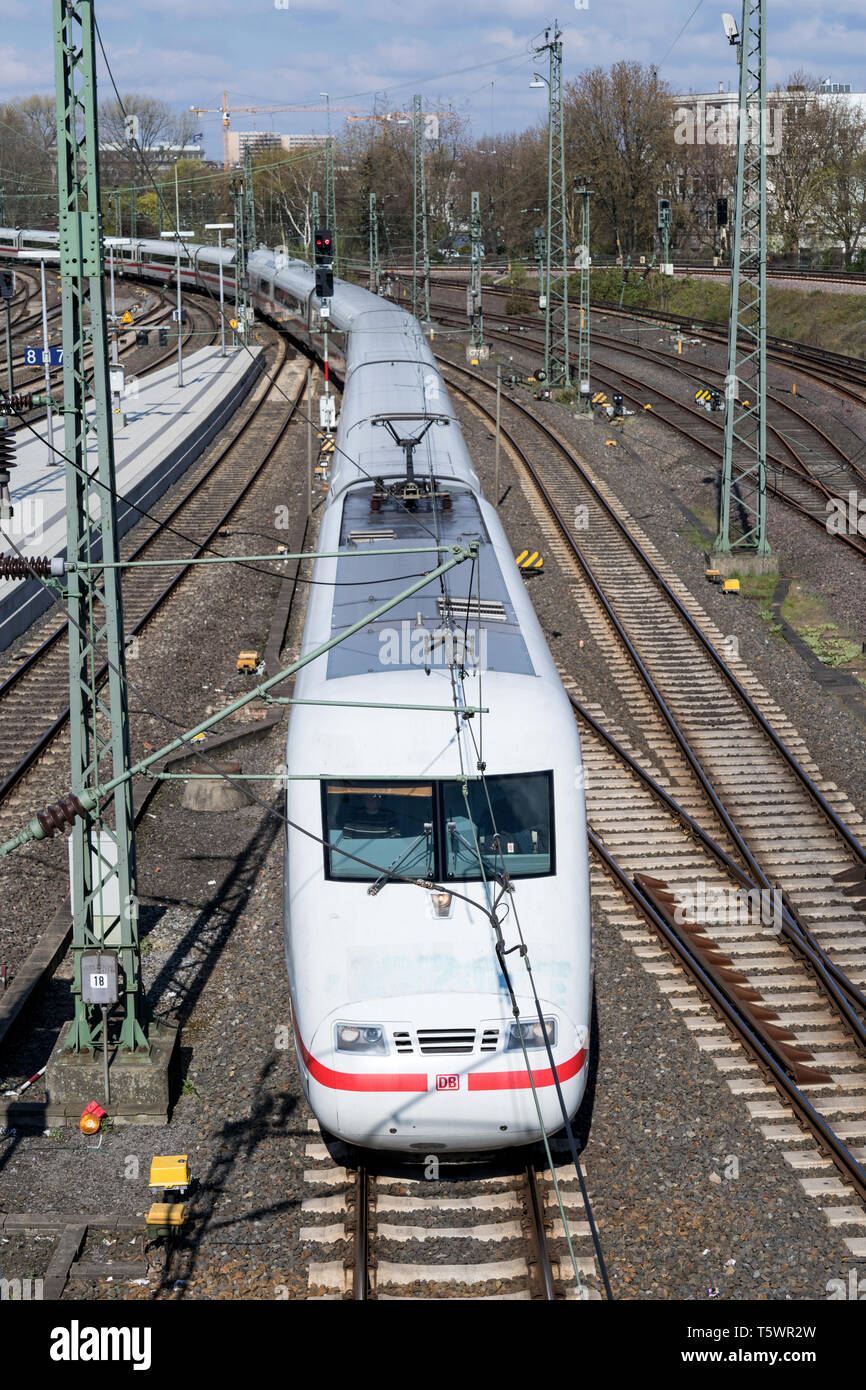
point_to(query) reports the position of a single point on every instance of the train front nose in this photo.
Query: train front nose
(396, 1085)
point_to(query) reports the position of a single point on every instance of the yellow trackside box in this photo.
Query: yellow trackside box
(731, 586)
(714, 576)
(247, 661)
(171, 1171)
(165, 1217)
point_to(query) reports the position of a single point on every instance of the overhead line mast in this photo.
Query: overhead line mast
(556, 357)
(419, 215)
(103, 844)
(745, 442)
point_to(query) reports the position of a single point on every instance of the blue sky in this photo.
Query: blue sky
(472, 53)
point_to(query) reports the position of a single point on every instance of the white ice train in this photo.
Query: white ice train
(403, 1019)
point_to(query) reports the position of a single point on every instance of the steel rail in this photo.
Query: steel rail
(801, 475)
(360, 1273)
(538, 1238)
(829, 977)
(827, 1139)
(697, 632)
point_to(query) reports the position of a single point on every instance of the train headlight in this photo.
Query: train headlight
(367, 1038)
(533, 1036)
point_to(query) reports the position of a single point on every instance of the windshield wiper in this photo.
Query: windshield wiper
(388, 875)
(476, 853)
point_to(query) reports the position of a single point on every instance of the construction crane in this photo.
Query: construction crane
(226, 112)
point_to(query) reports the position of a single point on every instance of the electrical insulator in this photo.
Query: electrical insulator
(18, 402)
(14, 567)
(7, 461)
(57, 817)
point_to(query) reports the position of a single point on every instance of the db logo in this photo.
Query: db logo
(448, 1083)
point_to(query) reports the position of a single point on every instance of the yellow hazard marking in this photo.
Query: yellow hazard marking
(599, 398)
(233, 323)
(610, 441)
(647, 406)
(529, 560)
(127, 318)
(703, 394)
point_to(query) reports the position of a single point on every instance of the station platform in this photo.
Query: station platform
(165, 428)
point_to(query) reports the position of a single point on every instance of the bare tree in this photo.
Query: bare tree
(619, 132)
(842, 210)
(800, 140)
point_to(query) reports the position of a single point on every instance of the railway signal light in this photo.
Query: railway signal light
(324, 246)
(721, 212)
(664, 218)
(7, 284)
(324, 281)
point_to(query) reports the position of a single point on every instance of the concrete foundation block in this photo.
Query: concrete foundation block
(143, 1087)
(744, 562)
(213, 793)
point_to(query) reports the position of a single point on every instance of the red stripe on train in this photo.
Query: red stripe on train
(519, 1080)
(418, 1081)
(361, 1081)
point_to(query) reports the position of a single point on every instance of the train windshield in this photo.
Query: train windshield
(388, 826)
(436, 830)
(504, 820)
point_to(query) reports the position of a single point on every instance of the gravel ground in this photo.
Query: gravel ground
(659, 481)
(661, 1119)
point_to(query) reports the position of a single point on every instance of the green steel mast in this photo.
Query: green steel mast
(584, 403)
(556, 365)
(103, 845)
(419, 214)
(375, 268)
(745, 444)
(474, 292)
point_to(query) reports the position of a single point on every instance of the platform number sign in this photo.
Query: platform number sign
(447, 1083)
(35, 357)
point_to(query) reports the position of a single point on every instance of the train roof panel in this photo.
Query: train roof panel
(483, 617)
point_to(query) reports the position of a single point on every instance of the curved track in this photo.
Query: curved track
(190, 527)
(754, 791)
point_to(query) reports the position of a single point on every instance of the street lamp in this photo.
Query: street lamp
(170, 236)
(42, 257)
(221, 227)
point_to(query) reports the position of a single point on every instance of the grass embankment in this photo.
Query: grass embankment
(820, 318)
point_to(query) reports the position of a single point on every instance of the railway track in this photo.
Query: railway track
(32, 713)
(473, 1232)
(737, 767)
(840, 372)
(806, 468)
